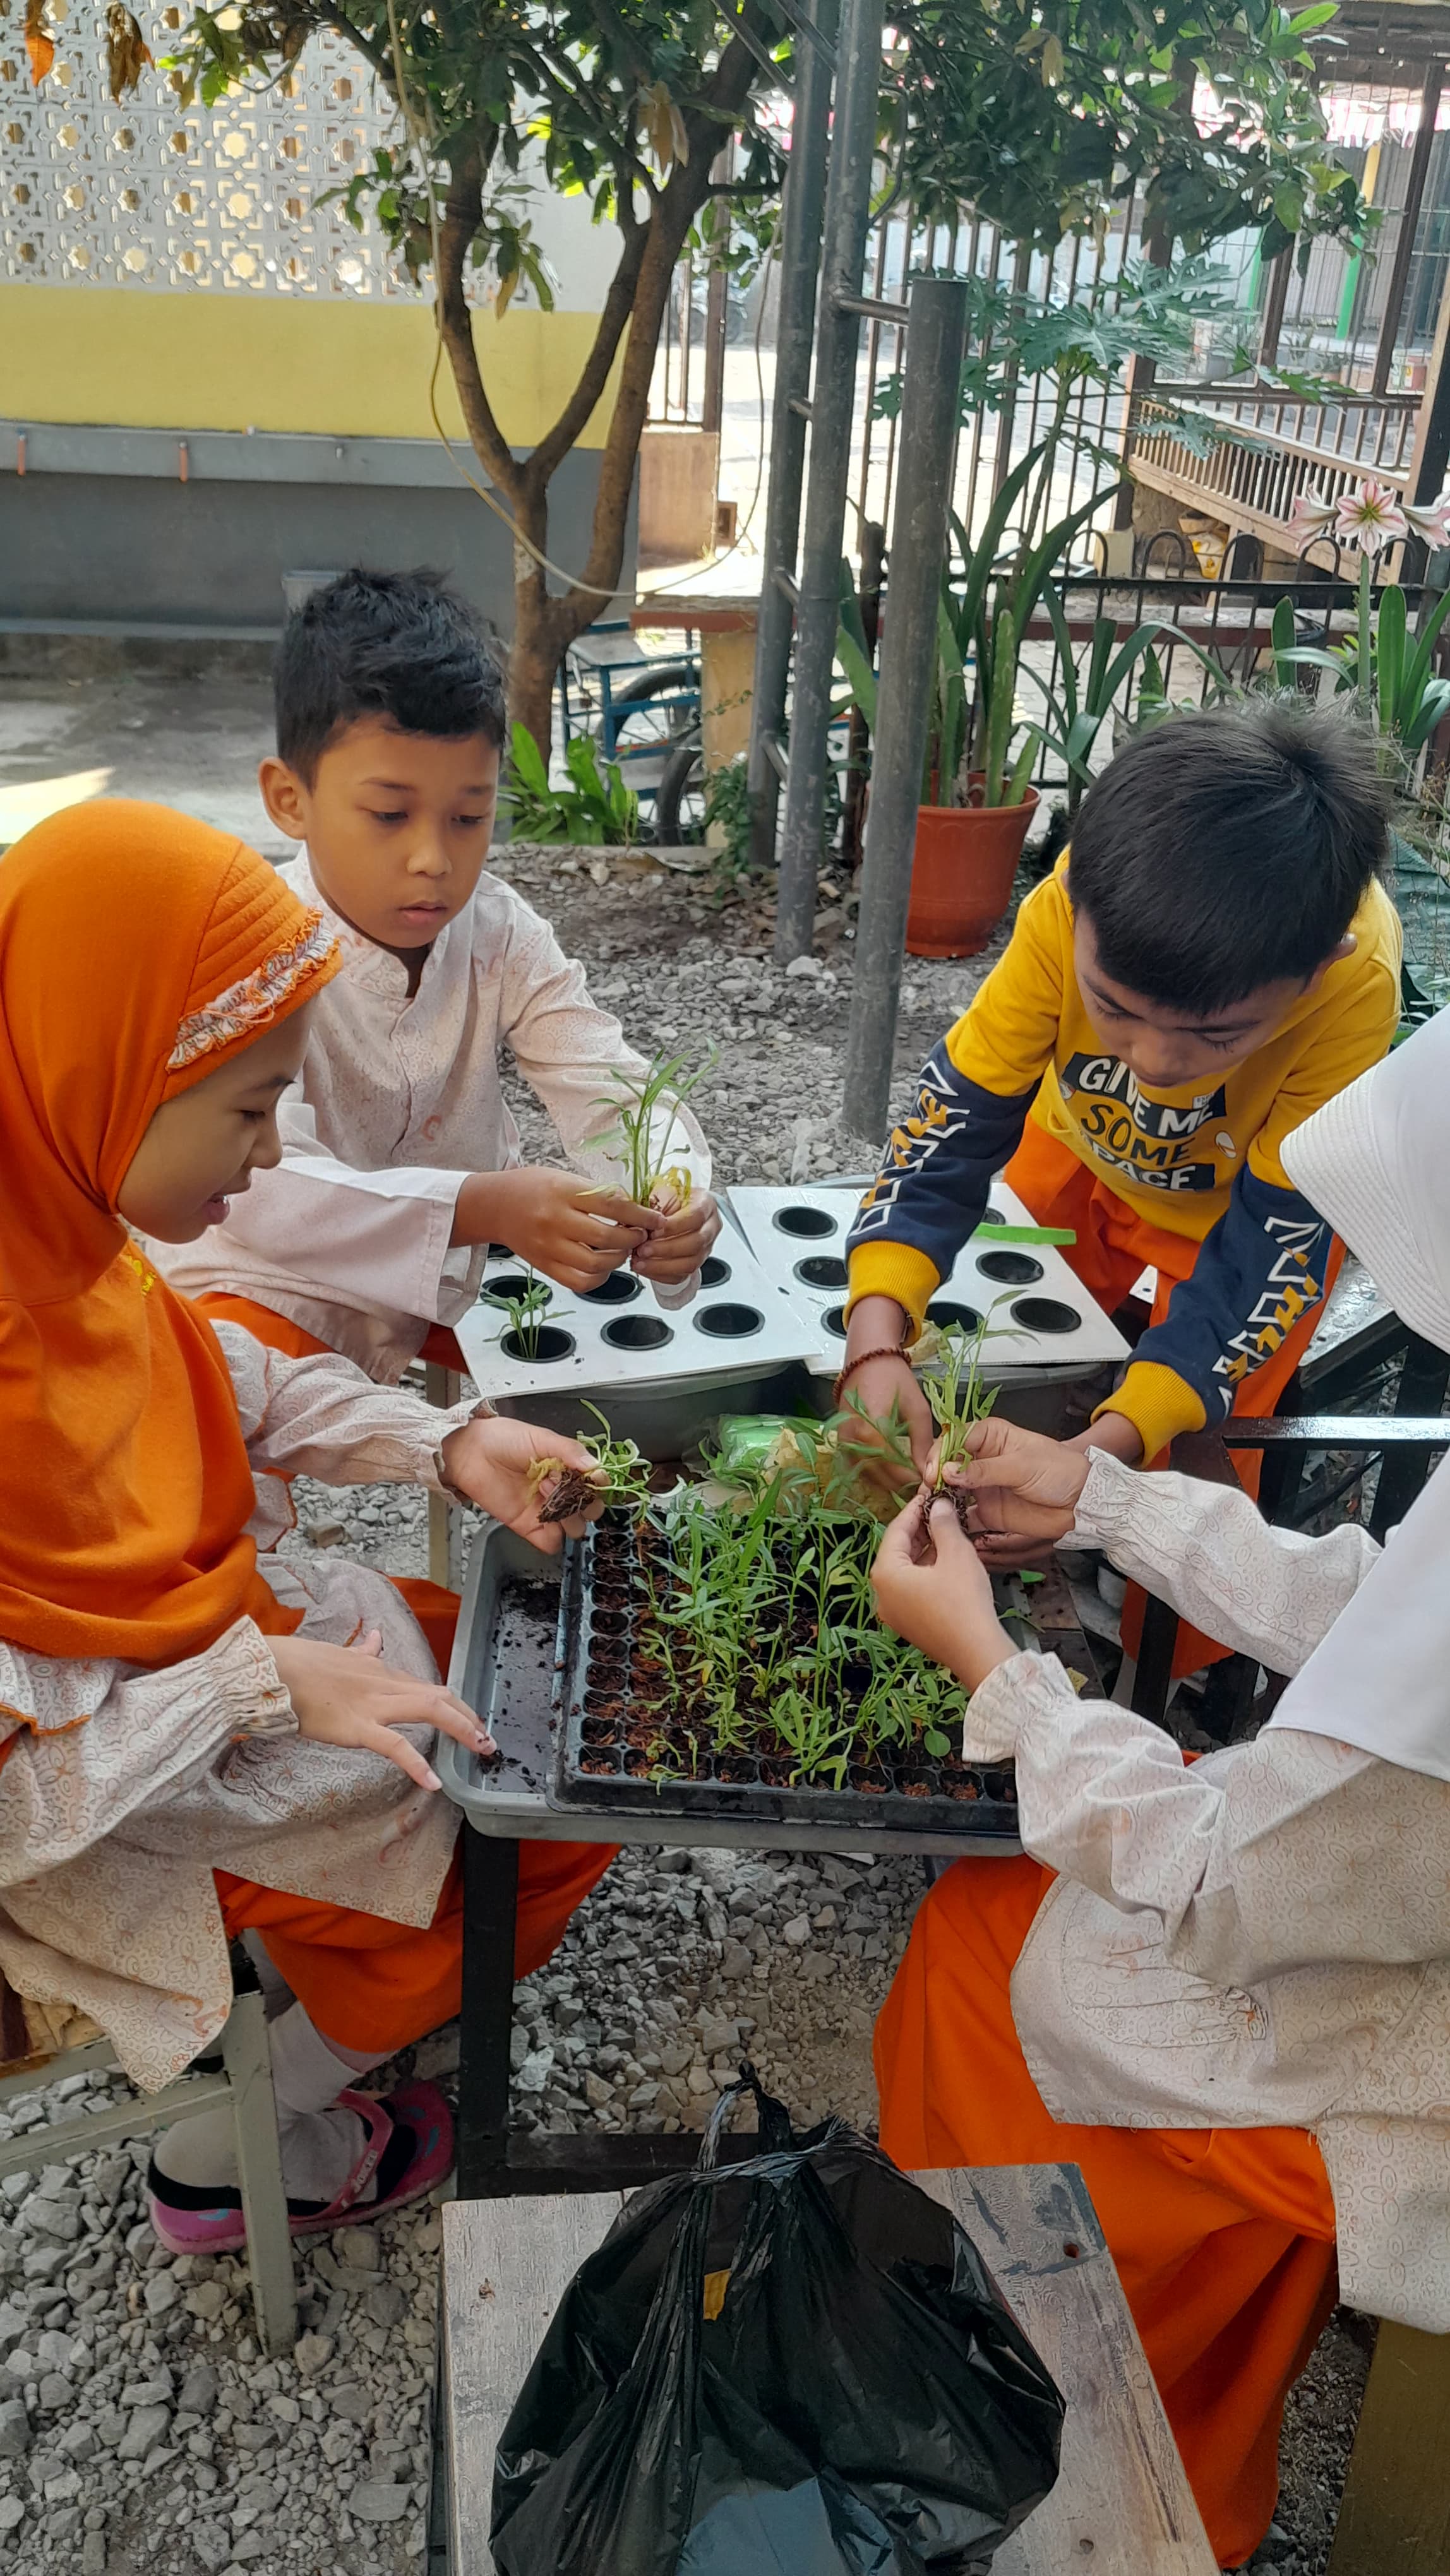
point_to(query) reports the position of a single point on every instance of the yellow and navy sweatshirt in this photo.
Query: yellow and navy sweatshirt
(1196, 1161)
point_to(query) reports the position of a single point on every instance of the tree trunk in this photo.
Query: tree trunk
(533, 661)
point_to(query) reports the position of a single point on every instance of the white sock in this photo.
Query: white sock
(320, 2142)
(276, 1993)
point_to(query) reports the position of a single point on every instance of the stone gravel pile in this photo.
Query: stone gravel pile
(140, 2425)
(683, 1963)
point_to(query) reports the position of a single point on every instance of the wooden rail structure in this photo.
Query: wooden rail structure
(1269, 449)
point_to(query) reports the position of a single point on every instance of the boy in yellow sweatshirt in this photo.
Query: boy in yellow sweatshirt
(1213, 958)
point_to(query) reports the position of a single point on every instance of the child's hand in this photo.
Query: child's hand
(1018, 1481)
(346, 1695)
(497, 1463)
(675, 1252)
(571, 1229)
(873, 1389)
(934, 1593)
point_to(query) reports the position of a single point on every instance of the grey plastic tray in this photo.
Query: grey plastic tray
(504, 1666)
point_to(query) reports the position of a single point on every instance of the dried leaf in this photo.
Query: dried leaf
(1053, 62)
(504, 297)
(39, 42)
(660, 117)
(127, 53)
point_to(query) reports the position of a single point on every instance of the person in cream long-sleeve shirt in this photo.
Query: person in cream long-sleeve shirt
(401, 1161)
(1221, 1987)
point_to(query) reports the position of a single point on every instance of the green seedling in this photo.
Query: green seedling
(759, 1634)
(1026, 1234)
(665, 1082)
(525, 1313)
(954, 1388)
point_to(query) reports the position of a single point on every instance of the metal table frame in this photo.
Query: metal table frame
(1404, 1442)
(494, 2163)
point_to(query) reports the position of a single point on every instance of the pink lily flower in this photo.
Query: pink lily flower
(1370, 517)
(1311, 516)
(1431, 520)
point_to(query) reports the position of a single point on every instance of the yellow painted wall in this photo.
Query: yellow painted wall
(207, 361)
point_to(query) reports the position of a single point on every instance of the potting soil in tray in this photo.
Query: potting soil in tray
(641, 1729)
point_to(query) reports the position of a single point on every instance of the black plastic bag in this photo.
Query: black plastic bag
(798, 2363)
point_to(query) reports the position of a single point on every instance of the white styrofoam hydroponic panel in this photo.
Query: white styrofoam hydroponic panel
(1044, 1317)
(741, 1322)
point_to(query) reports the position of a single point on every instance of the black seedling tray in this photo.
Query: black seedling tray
(598, 1766)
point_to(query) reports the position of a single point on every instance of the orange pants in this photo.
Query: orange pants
(366, 1982)
(1223, 2238)
(375, 1985)
(1114, 1245)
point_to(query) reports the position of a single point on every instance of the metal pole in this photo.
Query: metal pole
(712, 407)
(800, 258)
(1275, 299)
(935, 343)
(1399, 277)
(838, 332)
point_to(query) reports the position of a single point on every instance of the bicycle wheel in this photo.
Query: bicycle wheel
(652, 710)
(680, 797)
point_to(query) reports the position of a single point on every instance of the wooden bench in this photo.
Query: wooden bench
(1395, 2513)
(1122, 2505)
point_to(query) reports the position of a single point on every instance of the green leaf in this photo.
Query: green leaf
(1434, 704)
(528, 761)
(1390, 658)
(1425, 642)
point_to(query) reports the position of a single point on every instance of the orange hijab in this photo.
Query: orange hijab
(138, 950)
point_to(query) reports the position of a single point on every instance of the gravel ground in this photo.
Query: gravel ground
(138, 2425)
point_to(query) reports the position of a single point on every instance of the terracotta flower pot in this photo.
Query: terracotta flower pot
(965, 859)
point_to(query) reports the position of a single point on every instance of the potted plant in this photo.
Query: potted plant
(976, 802)
(1078, 708)
(977, 805)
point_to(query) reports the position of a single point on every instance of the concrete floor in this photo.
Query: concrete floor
(190, 742)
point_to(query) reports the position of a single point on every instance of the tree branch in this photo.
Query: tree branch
(380, 56)
(615, 319)
(663, 238)
(460, 223)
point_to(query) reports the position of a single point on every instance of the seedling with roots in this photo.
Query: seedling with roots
(620, 1476)
(644, 1117)
(953, 1387)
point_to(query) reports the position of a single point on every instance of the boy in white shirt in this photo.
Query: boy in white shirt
(401, 1159)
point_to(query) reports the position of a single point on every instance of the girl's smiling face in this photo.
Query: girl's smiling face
(202, 1147)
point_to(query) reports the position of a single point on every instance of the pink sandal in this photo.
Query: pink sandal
(409, 2150)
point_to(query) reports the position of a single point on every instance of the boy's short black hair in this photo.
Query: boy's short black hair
(1228, 850)
(395, 644)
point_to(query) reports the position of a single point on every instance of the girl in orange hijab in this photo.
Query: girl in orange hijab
(188, 1751)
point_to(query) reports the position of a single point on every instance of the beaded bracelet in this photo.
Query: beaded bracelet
(888, 1351)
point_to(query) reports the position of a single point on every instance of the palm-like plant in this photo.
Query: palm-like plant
(1390, 672)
